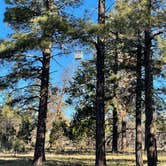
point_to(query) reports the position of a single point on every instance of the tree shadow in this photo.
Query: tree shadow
(16, 162)
(27, 161)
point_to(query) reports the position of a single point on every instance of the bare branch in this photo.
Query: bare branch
(158, 33)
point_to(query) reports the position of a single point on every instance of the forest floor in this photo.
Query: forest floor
(77, 159)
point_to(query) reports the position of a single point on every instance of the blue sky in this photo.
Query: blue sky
(68, 61)
(4, 30)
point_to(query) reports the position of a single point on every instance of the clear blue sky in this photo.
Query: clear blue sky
(64, 62)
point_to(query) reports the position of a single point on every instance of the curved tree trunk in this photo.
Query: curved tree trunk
(100, 110)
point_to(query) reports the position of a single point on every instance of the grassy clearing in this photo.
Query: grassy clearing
(73, 160)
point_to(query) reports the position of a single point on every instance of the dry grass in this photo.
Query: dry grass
(73, 159)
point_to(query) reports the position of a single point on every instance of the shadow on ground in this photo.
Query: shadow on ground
(28, 162)
(48, 163)
(68, 161)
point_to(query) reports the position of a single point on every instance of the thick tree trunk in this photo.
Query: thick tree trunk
(100, 111)
(39, 155)
(149, 102)
(115, 111)
(138, 144)
(124, 138)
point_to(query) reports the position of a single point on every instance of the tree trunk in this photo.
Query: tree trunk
(100, 110)
(39, 155)
(115, 131)
(149, 102)
(145, 141)
(124, 138)
(138, 144)
(115, 111)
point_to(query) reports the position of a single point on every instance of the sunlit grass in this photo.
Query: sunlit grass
(73, 159)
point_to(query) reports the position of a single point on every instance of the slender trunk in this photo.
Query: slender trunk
(149, 102)
(138, 144)
(115, 131)
(100, 111)
(39, 155)
(115, 111)
(145, 141)
(124, 138)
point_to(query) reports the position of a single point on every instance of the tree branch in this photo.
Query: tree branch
(158, 33)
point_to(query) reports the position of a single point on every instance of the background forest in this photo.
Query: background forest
(85, 81)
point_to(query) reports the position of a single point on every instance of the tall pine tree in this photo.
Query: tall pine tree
(100, 107)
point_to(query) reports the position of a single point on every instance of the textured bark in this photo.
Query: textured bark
(115, 111)
(39, 155)
(149, 102)
(100, 111)
(138, 144)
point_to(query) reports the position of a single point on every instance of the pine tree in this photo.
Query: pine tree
(137, 17)
(115, 111)
(35, 30)
(149, 89)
